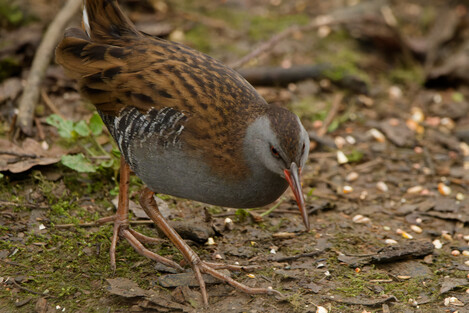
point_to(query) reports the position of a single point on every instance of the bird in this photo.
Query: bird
(186, 125)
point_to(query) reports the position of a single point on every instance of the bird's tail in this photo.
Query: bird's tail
(104, 21)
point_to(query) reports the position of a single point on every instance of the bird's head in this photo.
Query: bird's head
(281, 144)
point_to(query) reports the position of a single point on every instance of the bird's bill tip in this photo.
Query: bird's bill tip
(292, 176)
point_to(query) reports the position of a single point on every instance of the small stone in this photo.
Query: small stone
(416, 229)
(455, 252)
(352, 176)
(437, 244)
(382, 186)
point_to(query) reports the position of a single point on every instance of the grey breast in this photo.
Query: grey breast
(150, 144)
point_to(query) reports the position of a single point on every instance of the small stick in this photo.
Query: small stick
(41, 61)
(331, 114)
(269, 44)
(50, 104)
(40, 129)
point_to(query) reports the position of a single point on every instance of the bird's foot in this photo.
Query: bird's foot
(200, 267)
(135, 239)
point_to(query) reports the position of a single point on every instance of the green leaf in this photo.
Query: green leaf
(96, 124)
(241, 214)
(66, 129)
(54, 120)
(82, 129)
(79, 163)
(457, 97)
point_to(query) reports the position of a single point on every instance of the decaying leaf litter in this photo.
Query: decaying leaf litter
(383, 97)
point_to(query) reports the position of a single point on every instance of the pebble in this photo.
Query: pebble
(360, 219)
(382, 186)
(416, 229)
(352, 176)
(437, 244)
(341, 157)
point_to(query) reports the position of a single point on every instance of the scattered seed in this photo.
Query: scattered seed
(460, 196)
(251, 275)
(352, 176)
(357, 270)
(465, 253)
(466, 263)
(320, 265)
(365, 100)
(455, 252)
(283, 235)
(360, 219)
(347, 189)
(418, 220)
(416, 229)
(339, 142)
(413, 302)
(341, 157)
(229, 225)
(448, 123)
(395, 92)
(453, 301)
(44, 145)
(377, 135)
(407, 235)
(417, 114)
(272, 251)
(466, 237)
(351, 140)
(41, 227)
(382, 186)
(443, 189)
(386, 228)
(321, 309)
(404, 277)
(446, 236)
(210, 241)
(327, 273)
(218, 256)
(390, 242)
(363, 195)
(437, 244)
(415, 189)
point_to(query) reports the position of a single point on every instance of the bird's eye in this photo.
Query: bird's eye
(274, 152)
(303, 149)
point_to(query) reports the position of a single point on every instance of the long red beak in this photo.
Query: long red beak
(293, 178)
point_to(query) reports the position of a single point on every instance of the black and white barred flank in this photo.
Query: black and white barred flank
(164, 125)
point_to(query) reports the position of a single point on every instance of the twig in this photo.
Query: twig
(93, 224)
(266, 46)
(331, 114)
(25, 205)
(40, 129)
(25, 289)
(41, 62)
(18, 154)
(51, 105)
(296, 257)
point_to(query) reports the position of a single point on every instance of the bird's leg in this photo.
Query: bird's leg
(200, 267)
(121, 225)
